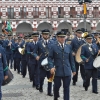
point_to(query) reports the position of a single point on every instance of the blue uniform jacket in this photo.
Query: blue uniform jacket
(3, 64)
(30, 50)
(75, 43)
(41, 51)
(86, 53)
(61, 59)
(16, 53)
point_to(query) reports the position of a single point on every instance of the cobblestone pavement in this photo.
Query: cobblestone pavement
(21, 89)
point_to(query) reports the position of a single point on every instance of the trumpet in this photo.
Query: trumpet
(51, 78)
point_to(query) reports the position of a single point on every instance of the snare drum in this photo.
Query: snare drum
(96, 62)
(44, 63)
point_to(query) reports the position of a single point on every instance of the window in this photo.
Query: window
(23, 12)
(10, 12)
(72, 12)
(36, 12)
(48, 12)
(95, 12)
(60, 12)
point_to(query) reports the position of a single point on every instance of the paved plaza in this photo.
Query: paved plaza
(21, 89)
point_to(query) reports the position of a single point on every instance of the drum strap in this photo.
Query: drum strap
(92, 51)
(46, 49)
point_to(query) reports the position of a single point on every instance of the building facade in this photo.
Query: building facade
(27, 16)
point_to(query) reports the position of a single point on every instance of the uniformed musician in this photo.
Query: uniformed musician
(3, 67)
(33, 63)
(88, 53)
(43, 47)
(61, 57)
(76, 43)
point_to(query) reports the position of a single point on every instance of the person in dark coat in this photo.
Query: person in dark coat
(61, 63)
(3, 67)
(89, 52)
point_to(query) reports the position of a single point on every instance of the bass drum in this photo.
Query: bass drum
(77, 56)
(9, 79)
(96, 62)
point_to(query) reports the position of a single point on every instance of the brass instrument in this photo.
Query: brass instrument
(84, 34)
(51, 78)
(21, 50)
(77, 56)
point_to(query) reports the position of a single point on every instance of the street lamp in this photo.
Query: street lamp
(85, 9)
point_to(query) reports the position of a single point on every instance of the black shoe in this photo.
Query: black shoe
(55, 98)
(95, 92)
(41, 90)
(33, 85)
(86, 88)
(74, 83)
(23, 76)
(30, 80)
(38, 87)
(50, 94)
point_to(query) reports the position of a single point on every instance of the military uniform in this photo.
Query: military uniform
(17, 58)
(62, 59)
(9, 53)
(89, 51)
(33, 63)
(42, 50)
(96, 39)
(3, 67)
(23, 59)
(75, 44)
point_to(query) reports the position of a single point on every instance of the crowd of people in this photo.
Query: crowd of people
(61, 64)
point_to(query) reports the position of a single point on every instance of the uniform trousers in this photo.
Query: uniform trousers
(1, 80)
(43, 74)
(34, 72)
(88, 74)
(82, 71)
(24, 67)
(66, 86)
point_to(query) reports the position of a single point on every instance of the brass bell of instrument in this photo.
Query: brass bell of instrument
(21, 50)
(51, 78)
(84, 34)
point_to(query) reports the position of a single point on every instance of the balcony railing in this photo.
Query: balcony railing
(53, 19)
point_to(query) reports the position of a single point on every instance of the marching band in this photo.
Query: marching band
(53, 57)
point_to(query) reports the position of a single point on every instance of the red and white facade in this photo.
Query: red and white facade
(47, 14)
